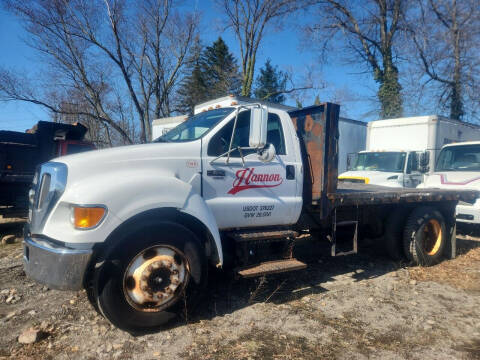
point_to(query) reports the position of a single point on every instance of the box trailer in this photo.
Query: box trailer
(162, 126)
(352, 139)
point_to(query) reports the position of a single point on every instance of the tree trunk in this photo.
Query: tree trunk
(456, 103)
(389, 92)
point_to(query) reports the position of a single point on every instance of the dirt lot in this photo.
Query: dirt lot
(357, 307)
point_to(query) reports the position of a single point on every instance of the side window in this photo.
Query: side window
(220, 141)
(275, 133)
(412, 163)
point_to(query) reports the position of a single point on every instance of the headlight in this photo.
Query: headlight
(393, 177)
(47, 188)
(87, 217)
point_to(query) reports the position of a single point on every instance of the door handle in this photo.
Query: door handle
(216, 173)
(290, 172)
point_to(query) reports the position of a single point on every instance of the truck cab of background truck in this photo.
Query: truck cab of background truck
(390, 168)
(458, 167)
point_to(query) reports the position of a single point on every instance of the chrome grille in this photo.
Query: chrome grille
(44, 189)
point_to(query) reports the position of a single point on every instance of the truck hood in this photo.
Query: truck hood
(374, 177)
(171, 159)
(464, 180)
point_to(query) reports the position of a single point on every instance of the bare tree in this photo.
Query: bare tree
(117, 54)
(369, 29)
(249, 20)
(446, 35)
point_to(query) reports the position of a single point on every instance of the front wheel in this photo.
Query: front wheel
(151, 278)
(425, 236)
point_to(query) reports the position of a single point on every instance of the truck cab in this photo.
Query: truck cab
(385, 168)
(458, 167)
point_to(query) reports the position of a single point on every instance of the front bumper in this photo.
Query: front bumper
(468, 213)
(55, 265)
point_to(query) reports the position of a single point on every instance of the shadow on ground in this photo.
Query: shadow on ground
(227, 294)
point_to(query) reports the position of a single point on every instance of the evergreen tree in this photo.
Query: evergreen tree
(271, 83)
(193, 89)
(220, 70)
(317, 101)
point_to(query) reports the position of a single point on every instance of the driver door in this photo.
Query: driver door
(253, 193)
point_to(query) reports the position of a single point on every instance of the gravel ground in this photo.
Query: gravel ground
(355, 307)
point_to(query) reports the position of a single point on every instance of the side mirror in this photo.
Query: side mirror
(424, 160)
(267, 154)
(351, 160)
(258, 127)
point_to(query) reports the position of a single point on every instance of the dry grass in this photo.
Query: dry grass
(261, 344)
(472, 349)
(463, 272)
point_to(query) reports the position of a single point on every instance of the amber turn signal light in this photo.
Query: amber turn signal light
(87, 217)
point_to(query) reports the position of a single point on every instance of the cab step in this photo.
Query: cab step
(272, 267)
(274, 235)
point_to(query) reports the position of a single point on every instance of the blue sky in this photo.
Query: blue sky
(286, 48)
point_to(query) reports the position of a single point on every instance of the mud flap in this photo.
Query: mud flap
(450, 251)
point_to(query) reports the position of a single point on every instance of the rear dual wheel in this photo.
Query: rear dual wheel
(155, 275)
(424, 236)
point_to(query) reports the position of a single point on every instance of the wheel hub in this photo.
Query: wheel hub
(432, 237)
(155, 277)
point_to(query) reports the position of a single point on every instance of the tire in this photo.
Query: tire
(146, 283)
(424, 236)
(393, 239)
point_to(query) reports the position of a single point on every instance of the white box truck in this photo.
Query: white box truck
(400, 150)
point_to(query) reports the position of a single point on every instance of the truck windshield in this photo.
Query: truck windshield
(196, 126)
(459, 158)
(380, 161)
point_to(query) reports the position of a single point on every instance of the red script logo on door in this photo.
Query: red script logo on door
(247, 179)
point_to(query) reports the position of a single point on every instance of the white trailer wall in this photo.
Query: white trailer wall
(399, 134)
(163, 125)
(352, 135)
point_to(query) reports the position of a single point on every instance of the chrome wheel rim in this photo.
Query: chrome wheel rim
(155, 278)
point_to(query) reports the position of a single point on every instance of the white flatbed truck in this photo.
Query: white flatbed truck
(139, 226)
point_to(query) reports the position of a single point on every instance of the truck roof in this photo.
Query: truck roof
(405, 121)
(383, 150)
(233, 100)
(170, 120)
(356, 122)
(462, 143)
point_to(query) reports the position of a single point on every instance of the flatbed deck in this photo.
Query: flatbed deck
(364, 194)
